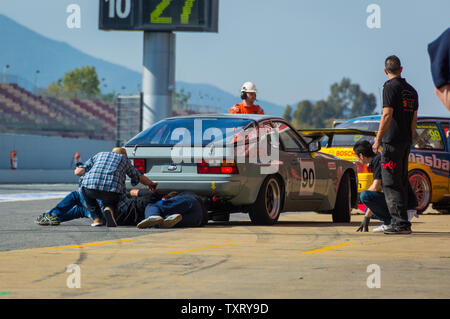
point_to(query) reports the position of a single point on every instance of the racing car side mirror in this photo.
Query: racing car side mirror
(314, 146)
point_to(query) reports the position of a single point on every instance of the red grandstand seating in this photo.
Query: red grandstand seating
(20, 106)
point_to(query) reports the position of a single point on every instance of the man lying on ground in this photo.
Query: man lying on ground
(131, 209)
(183, 210)
(74, 206)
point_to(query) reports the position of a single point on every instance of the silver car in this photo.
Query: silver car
(256, 164)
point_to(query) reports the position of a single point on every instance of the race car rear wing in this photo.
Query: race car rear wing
(315, 134)
(330, 132)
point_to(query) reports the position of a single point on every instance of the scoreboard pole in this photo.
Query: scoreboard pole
(158, 78)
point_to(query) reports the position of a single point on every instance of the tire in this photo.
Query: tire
(421, 185)
(342, 209)
(267, 208)
(222, 217)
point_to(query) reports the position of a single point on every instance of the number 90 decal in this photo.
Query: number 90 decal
(308, 177)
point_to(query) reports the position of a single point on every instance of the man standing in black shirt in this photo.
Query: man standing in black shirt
(398, 122)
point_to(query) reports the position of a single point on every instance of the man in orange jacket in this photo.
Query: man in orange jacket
(248, 96)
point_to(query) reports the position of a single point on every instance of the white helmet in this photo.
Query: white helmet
(248, 87)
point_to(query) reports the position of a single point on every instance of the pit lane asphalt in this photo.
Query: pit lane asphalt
(18, 230)
(302, 256)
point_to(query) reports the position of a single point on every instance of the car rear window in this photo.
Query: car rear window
(350, 140)
(190, 132)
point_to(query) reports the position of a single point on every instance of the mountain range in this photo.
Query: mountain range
(26, 51)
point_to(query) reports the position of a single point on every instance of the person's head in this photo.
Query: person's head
(119, 150)
(392, 66)
(363, 151)
(248, 93)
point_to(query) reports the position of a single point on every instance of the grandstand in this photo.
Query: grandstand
(23, 112)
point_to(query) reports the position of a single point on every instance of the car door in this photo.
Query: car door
(428, 153)
(445, 126)
(304, 175)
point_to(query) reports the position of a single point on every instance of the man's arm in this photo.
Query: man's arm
(79, 171)
(376, 185)
(413, 126)
(148, 182)
(386, 118)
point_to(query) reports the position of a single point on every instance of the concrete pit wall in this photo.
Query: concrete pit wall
(45, 159)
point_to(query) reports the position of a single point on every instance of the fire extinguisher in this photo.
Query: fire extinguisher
(13, 157)
(76, 159)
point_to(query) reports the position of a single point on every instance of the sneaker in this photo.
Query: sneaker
(171, 221)
(47, 219)
(150, 222)
(40, 219)
(380, 228)
(109, 217)
(398, 231)
(97, 222)
(411, 214)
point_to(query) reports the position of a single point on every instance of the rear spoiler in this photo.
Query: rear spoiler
(330, 132)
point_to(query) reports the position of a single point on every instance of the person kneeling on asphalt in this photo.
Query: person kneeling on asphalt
(183, 210)
(373, 198)
(104, 178)
(72, 206)
(130, 209)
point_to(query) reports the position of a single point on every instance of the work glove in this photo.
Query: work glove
(364, 224)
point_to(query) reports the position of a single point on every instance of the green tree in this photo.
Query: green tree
(287, 115)
(302, 115)
(345, 100)
(348, 100)
(84, 80)
(181, 99)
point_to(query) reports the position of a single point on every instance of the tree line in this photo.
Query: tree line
(346, 100)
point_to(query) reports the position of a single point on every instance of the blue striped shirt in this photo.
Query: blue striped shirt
(106, 171)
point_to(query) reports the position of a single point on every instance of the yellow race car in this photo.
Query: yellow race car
(429, 160)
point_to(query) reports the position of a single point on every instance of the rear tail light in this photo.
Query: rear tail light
(140, 165)
(361, 168)
(222, 168)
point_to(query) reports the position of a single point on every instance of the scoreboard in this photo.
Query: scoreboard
(159, 15)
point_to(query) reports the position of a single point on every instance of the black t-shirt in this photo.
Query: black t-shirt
(403, 98)
(375, 166)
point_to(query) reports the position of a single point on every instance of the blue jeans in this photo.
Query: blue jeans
(72, 206)
(377, 204)
(185, 204)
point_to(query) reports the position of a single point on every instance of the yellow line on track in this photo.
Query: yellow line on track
(325, 249)
(208, 247)
(96, 244)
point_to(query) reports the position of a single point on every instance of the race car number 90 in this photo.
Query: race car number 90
(308, 177)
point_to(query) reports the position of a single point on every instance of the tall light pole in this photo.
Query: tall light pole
(35, 80)
(4, 72)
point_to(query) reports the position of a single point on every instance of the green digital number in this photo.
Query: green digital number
(155, 16)
(186, 11)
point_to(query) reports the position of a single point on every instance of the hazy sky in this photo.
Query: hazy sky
(291, 49)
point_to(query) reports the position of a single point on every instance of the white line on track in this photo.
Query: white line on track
(30, 196)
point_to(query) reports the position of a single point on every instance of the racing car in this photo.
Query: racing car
(256, 164)
(429, 159)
